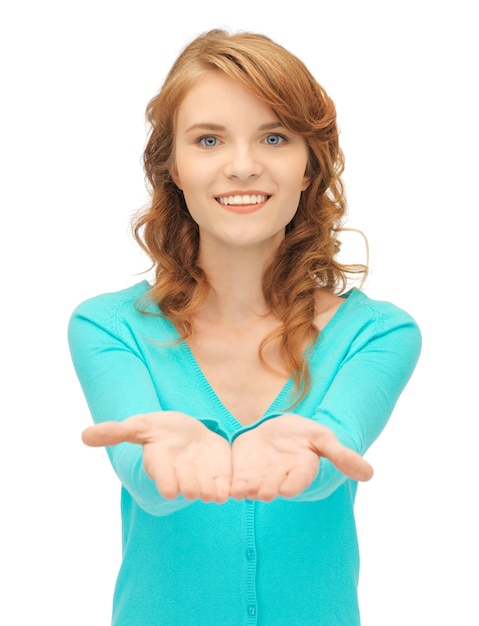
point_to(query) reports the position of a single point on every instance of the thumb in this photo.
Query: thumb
(346, 460)
(112, 433)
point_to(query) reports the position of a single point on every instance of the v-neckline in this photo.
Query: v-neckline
(233, 422)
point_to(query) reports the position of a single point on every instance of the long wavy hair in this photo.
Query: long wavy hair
(306, 259)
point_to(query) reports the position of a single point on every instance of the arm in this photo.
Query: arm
(365, 390)
(180, 453)
(281, 457)
(117, 385)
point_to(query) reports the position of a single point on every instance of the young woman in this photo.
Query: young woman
(237, 394)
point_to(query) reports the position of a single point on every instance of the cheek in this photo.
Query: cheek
(173, 171)
(188, 174)
(298, 180)
(294, 172)
(182, 174)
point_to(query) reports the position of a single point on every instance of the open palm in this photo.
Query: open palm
(281, 457)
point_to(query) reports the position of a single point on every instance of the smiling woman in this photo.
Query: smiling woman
(238, 393)
(220, 173)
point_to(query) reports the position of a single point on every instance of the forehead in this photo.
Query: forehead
(216, 96)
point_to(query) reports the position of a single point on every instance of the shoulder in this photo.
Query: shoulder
(367, 319)
(113, 302)
(382, 313)
(115, 312)
(326, 307)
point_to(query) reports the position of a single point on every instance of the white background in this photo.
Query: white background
(75, 79)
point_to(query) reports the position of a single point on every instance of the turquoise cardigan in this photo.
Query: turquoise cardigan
(284, 563)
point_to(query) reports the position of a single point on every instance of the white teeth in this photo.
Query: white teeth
(246, 199)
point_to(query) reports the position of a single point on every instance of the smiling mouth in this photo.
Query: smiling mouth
(243, 200)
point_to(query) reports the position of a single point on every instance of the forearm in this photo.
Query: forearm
(127, 461)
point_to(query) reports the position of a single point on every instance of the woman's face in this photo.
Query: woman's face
(240, 170)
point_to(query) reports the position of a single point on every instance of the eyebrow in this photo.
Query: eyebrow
(220, 128)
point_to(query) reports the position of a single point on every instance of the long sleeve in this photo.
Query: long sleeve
(117, 384)
(373, 371)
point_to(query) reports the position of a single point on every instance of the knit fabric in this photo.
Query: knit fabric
(283, 563)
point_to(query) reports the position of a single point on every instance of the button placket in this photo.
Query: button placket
(250, 556)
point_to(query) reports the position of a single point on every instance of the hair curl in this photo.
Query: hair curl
(306, 258)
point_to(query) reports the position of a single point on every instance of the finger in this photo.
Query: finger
(214, 485)
(296, 481)
(104, 434)
(207, 489)
(113, 433)
(269, 489)
(161, 470)
(222, 477)
(188, 482)
(213, 489)
(246, 485)
(353, 465)
(347, 461)
(239, 488)
(222, 489)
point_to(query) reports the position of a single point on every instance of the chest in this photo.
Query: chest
(244, 383)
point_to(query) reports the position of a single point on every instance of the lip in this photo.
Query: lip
(243, 208)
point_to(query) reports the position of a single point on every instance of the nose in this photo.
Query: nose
(242, 163)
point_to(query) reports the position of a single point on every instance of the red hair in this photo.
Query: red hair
(306, 258)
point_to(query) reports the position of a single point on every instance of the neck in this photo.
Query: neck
(236, 276)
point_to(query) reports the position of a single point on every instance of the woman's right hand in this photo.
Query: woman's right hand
(180, 454)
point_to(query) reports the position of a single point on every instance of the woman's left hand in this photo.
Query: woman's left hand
(281, 457)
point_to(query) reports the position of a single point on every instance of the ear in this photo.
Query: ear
(306, 181)
(173, 170)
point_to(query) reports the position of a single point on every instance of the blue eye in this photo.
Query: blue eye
(274, 139)
(208, 141)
